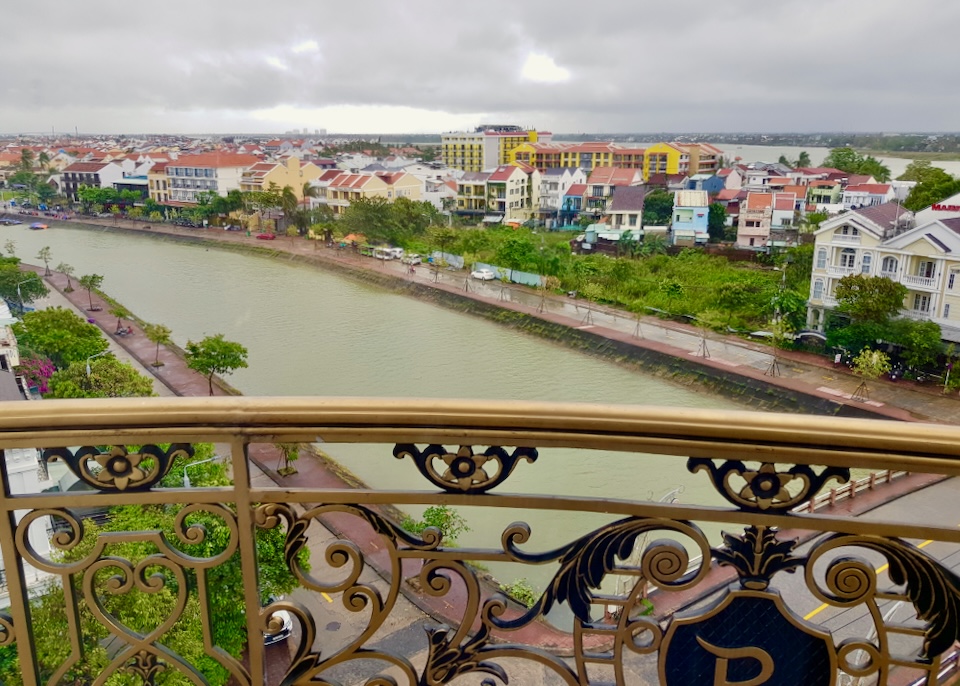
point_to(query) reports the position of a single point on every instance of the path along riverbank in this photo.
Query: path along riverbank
(316, 472)
(725, 364)
(729, 357)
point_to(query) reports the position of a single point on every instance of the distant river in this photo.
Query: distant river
(764, 153)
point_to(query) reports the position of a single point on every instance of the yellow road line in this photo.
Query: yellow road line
(329, 599)
(879, 570)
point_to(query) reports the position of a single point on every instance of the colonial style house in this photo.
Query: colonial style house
(884, 241)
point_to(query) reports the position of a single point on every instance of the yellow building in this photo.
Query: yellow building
(486, 147)
(882, 241)
(338, 189)
(586, 156)
(665, 158)
(158, 184)
(293, 172)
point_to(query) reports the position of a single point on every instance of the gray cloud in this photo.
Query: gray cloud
(682, 65)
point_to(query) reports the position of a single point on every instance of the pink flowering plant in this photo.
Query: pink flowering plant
(37, 371)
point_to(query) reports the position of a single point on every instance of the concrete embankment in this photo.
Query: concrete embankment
(745, 385)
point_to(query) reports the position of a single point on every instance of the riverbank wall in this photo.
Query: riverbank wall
(745, 386)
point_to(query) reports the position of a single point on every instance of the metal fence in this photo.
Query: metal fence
(209, 566)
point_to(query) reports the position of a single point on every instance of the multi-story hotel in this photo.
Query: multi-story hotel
(219, 172)
(487, 146)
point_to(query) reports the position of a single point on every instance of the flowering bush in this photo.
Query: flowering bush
(37, 371)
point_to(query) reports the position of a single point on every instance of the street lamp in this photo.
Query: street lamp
(104, 352)
(186, 479)
(20, 295)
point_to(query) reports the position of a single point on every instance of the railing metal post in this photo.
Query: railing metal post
(248, 558)
(16, 584)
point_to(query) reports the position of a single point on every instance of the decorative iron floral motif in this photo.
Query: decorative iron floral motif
(446, 660)
(147, 666)
(118, 469)
(757, 555)
(586, 561)
(465, 471)
(765, 488)
(933, 589)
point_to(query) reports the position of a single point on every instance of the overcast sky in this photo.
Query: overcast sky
(414, 66)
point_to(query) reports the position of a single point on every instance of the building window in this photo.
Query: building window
(950, 281)
(946, 311)
(848, 258)
(822, 258)
(925, 269)
(818, 289)
(865, 264)
(921, 303)
(889, 265)
(632, 220)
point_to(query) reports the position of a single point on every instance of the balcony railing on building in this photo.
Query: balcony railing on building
(919, 281)
(643, 585)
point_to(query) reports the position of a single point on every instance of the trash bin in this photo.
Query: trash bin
(248, 233)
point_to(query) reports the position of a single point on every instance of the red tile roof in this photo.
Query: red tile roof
(614, 176)
(873, 188)
(502, 173)
(785, 201)
(577, 189)
(216, 160)
(728, 194)
(759, 201)
(86, 167)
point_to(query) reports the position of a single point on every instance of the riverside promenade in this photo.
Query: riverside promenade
(805, 373)
(314, 472)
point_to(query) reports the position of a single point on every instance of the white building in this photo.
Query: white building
(948, 208)
(866, 195)
(212, 171)
(885, 241)
(554, 184)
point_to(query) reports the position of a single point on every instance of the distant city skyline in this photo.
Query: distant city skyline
(419, 68)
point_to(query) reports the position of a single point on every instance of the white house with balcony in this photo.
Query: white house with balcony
(883, 241)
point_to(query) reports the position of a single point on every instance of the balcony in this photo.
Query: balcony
(616, 568)
(834, 270)
(919, 282)
(841, 238)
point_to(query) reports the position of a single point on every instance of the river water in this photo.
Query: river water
(310, 332)
(767, 153)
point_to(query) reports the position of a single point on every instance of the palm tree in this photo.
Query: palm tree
(67, 271)
(43, 159)
(289, 203)
(159, 334)
(26, 159)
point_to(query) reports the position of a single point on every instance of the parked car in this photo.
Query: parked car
(483, 274)
(412, 258)
(286, 627)
(233, 227)
(266, 236)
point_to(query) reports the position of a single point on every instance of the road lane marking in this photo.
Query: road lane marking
(329, 599)
(879, 570)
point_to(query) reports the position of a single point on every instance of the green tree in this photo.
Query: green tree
(121, 313)
(518, 251)
(804, 159)
(20, 287)
(658, 208)
(215, 355)
(870, 298)
(159, 334)
(716, 222)
(43, 159)
(67, 271)
(60, 335)
(90, 283)
(45, 255)
(26, 159)
(922, 342)
(814, 219)
(933, 185)
(849, 160)
(108, 378)
(869, 365)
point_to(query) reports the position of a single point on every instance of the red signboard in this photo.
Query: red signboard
(937, 207)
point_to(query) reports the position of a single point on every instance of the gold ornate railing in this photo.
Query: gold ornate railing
(742, 629)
